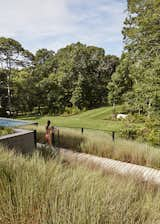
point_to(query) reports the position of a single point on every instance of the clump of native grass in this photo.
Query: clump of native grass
(38, 191)
(5, 131)
(101, 144)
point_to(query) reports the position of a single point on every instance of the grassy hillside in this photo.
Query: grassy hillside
(33, 191)
(98, 119)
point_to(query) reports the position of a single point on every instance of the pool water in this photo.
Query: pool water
(6, 122)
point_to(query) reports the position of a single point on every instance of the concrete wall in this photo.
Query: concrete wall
(22, 141)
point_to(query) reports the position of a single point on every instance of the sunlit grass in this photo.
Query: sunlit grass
(97, 119)
(34, 191)
(100, 143)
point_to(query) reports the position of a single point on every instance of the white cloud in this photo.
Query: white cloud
(55, 23)
(33, 17)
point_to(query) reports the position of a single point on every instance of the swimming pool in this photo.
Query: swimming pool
(7, 122)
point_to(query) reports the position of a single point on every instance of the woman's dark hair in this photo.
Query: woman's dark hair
(48, 123)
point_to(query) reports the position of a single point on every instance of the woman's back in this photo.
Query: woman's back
(48, 133)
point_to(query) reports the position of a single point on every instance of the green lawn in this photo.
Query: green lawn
(97, 119)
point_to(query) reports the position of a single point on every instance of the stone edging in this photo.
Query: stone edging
(17, 132)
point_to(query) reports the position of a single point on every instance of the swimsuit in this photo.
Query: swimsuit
(47, 135)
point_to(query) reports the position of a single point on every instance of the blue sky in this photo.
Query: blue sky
(54, 24)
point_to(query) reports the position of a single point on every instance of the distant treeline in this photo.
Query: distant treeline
(75, 76)
(80, 76)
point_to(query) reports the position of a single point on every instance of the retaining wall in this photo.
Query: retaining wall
(22, 141)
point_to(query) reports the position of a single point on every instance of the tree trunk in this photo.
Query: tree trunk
(149, 109)
(9, 94)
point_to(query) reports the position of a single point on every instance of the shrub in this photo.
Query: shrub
(47, 152)
(154, 137)
(5, 131)
(139, 118)
(129, 133)
(153, 123)
(71, 111)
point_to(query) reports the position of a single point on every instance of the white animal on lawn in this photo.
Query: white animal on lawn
(122, 116)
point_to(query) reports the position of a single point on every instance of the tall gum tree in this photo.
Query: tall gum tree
(13, 56)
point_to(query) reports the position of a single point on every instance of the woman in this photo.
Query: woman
(48, 133)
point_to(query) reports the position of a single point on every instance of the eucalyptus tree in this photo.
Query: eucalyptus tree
(13, 56)
(3, 91)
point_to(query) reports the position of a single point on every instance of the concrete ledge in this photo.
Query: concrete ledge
(21, 141)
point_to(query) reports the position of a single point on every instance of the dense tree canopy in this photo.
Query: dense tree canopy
(75, 76)
(78, 76)
(137, 78)
(121, 81)
(142, 38)
(83, 76)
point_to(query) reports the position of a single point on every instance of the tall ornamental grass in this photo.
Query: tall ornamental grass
(100, 144)
(35, 191)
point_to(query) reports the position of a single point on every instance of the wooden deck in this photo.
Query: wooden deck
(109, 165)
